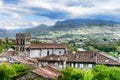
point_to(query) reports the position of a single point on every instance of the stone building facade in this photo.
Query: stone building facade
(22, 41)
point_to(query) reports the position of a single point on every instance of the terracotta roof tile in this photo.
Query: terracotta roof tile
(22, 60)
(104, 59)
(34, 46)
(13, 53)
(52, 70)
(46, 72)
(83, 57)
(51, 57)
(8, 53)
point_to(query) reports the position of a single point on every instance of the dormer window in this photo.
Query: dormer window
(77, 56)
(94, 56)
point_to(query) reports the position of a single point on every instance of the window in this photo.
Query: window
(81, 66)
(90, 65)
(85, 65)
(21, 41)
(78, 66)
(20, 48)
(17, 41)
(59, 52)
(94, 56)
(77, 56)
(71, 65)
(40, 54)
(48, 53)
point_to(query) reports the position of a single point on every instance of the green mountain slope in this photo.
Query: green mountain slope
(77, 28)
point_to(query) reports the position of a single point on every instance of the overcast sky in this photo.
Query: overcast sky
(30, 13)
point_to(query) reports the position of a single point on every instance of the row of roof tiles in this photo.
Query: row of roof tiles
(83, 57)
(47, 72)
(47, 45)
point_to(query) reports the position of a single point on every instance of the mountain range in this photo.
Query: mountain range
(77, 28)
(73, 28)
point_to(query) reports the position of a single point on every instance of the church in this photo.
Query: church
(23, 43)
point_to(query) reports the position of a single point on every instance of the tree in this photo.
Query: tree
(112, 54)
(72, 74)
(90, 48)
(118, 49)
(114, 73)
(20, 68)
(100, 72)
(88, 75)
(6, 71)
(77, 74)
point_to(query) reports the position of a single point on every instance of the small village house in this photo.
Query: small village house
(82, 59)
(42, 73)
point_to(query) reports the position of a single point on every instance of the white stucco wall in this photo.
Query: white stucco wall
(11, 60)
(3, 59)
(59, 51)
(34, 53)
(44, 52)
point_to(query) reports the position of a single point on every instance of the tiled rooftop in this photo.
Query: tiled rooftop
(47, 72)
(83, 57)
(45, 45)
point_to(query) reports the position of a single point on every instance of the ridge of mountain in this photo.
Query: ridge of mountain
(71, 28)
(76, 27)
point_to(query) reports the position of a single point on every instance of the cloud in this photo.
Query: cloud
(35, 12)
(13, 24)
(69, 9)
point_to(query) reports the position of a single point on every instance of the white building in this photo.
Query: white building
(41, 50)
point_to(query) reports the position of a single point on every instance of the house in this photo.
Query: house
(6, 55)
(82, 59)
(22, 60)
(42, 73)
(45, 49)
(17, 57)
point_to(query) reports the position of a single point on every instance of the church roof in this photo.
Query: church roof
(46, 45)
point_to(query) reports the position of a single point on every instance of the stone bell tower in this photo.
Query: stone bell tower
(22, 41)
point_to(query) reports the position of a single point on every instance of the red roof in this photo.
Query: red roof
(22, 60)
(13, 53)
(83, 57)
(47, 72)
(43, 45)
(8, 53)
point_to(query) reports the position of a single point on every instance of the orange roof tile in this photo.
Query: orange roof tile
(34, 46)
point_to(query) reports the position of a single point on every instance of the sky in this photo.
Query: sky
(18, 14)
